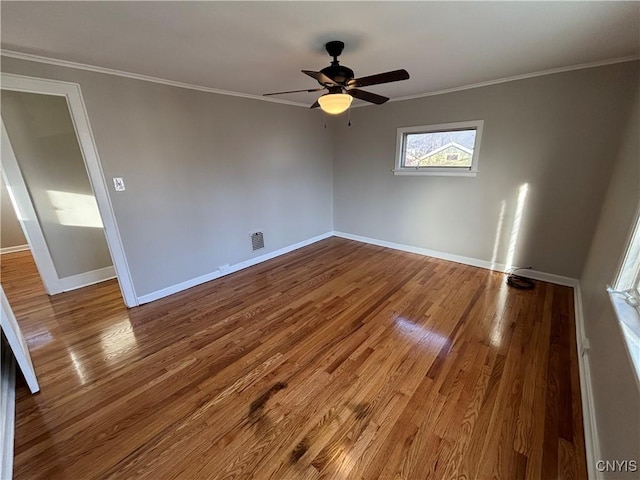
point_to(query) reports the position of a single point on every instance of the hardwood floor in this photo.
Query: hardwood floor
(339, 360)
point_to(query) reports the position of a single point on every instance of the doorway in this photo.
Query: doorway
(57, 187)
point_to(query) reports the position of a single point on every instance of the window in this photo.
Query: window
(446, 149)
(625, 297)
(628, 279)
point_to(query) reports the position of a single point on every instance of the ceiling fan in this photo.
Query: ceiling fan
(342, 86)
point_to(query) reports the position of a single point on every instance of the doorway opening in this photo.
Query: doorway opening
(55, 182)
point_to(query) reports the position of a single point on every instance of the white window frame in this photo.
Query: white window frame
(630, 267)
(625, 297)
(471, 171)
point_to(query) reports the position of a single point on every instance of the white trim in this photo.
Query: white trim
(7, 413)
(147, 78)
(85, 279)
(150, 297)
(515, 78)
(422, 171)
(474, 262)
(549, 278)
(21, 200)
(16, 248)
(144, 78)
(591, 441)
(86, 142)
(17, 343)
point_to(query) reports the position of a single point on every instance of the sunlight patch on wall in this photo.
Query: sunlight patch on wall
(517, 224)
(75, 209)
(496, 243)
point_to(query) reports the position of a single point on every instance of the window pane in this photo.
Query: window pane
(440, 149)
(629, 275)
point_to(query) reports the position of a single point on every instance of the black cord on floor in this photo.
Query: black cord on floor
(522, 283)
(518, 281)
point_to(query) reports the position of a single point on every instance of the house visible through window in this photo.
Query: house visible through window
(446, 149)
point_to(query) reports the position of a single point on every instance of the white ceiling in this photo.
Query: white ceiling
(259, 47)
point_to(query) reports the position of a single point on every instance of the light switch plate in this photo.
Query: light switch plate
(118, 184)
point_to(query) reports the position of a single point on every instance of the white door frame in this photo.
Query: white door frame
(27, 216)
(18, 345)
(86, 142)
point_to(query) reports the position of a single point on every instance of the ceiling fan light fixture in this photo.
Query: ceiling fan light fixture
(335, 103)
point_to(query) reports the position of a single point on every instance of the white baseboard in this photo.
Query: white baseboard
(546, 277)
(474, 262)
(549, 277)
(592, 444)
(150, 297)
(74, 282)
(7, 413)
(17, 248)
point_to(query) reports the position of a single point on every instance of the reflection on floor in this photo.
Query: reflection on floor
(339, 360)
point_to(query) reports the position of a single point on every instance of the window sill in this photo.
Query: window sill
(629, 321)
(448, 173)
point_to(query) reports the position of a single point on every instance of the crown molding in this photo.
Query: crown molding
(524, 76)
(136, 76)
(147, 78)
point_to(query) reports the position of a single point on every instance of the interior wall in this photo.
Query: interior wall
(11, 234)
(555, 134)
(617, 398)
(202, 171)
(44, 142)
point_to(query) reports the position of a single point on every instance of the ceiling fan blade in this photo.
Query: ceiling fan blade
(367, 96)
(293, 91)
(320, 77)
(315, 105)
(387, 77)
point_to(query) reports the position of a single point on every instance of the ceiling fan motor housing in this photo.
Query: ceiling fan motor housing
(338, 73)
(335, 71)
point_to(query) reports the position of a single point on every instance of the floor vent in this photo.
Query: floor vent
(257, 241)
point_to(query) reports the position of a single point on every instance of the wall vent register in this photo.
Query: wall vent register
(257, 241)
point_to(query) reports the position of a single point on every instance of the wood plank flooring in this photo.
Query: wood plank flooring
(340, 361)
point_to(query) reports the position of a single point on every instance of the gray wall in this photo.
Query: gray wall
(44, 142)
(555, 133)
(10, 230)
(202, 171)
(617, 399)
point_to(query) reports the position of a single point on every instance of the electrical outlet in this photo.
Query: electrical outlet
(118, 184)
(224, 268)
